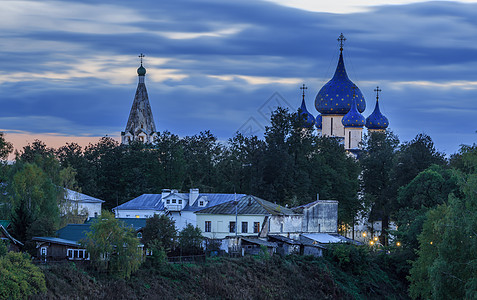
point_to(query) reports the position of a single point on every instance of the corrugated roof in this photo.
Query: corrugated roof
(77, 196)
(154, 201)
(260, 242)
(248, 205)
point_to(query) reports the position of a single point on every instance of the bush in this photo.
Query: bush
(19, 277)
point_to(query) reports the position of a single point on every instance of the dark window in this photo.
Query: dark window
(173, 200)
(168, 201)
(331, 127)
(244, 227)
(232, 227)
(256, 227)
(208, 226)
(180, 201)
(201, 203)
(139, 235)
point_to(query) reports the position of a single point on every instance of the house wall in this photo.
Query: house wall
(136, 213)
(285, 224)
(220, 224)
(321, 217)
(183, 218)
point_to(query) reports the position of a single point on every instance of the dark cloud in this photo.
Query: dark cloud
(220, 61)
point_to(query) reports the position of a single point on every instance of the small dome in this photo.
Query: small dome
(308, 118)
(141, 71)
(353, 118)
(377, 120)
(336, 95)
(319, 122)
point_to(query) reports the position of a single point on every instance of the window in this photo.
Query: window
(141, 138)
(43, 251)
(208, 226)
(201, 203)
(139, 235)
(281, 227)
(232, 227)
(331, 127)
(137, 216)
(77, 254)
(244, 227)
(95, 214)
(168, 201)
(180, 201)
(173, 200)
(256, 227)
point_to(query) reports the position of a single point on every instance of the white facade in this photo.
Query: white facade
(332, 126)
(220, 225)
(80, 204)
(353, 137)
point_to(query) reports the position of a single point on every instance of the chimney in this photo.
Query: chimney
(317, 196)
(193, 195)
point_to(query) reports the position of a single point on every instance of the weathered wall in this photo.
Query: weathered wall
(321, 217)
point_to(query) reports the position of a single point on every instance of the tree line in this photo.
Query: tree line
(409, 183)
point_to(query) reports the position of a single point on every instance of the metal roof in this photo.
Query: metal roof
(260, 242)
(80, 197)
(248, 205)
(56, 240)
(154, 201)
(74, 232)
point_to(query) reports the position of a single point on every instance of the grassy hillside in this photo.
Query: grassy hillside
(226, 278)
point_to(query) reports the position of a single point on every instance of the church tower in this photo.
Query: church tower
(377, 122)
(335, 100)
(140, 126)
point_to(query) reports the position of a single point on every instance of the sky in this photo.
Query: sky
(68, 68)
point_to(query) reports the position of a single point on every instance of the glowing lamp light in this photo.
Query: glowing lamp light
(398, 244)
(371, 243)
(375, 238)
(364, 234)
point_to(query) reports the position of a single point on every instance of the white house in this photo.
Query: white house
(252, 216)
(180, 206)
(81, 204)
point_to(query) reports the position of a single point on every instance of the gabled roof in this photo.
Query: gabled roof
(77, 196)
(154, 201)
(9, 237)
(248, 205)
(311, 204)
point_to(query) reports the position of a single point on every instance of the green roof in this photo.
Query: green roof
(5, 223)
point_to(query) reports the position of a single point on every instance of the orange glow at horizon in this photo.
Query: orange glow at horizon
(52, 140)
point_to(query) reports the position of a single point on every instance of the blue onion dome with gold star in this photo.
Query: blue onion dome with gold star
(376, 119)
(319, 122)
(353, 118)
(336, 95)
(306, 116)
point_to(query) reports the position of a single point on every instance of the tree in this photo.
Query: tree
(377, 161)
(34, 201)
(190, 240)
(445, 268)
(19, 278)
(5, 147)
(113, 246)
(162, 231)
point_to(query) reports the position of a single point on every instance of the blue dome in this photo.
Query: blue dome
(377, 120)
(319, 122)
(353, 118)
(308, 118)
(336, 95)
